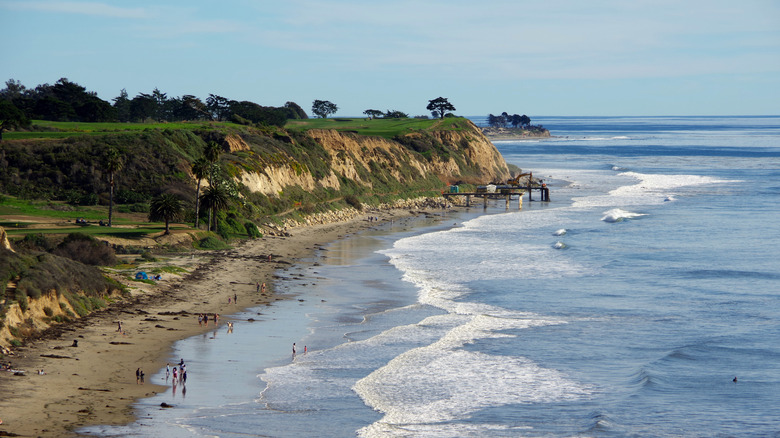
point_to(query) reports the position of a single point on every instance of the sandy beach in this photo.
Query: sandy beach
(95, 382)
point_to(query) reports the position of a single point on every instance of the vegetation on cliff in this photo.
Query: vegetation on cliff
(225, 168)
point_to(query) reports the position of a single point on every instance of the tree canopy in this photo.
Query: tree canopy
(68, 101)
(440, 107)
(323, 108)
(166, 207)
(11, 117)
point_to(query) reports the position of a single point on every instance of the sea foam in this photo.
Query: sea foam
(618, 215)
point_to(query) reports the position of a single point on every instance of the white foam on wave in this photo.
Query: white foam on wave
(443, 382)
(647, 189)
(559, 245)
(560, 232)
(619, 215)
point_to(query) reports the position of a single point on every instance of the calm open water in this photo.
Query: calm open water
(624, 307)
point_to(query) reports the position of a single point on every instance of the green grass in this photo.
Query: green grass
(64, 212)
(50, 209)
(49, 129)
(387, 128)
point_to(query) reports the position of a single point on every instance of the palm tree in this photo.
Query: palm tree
(114, 164)
(166, 207)
(216, 199)
(212, 151)
(199, 168)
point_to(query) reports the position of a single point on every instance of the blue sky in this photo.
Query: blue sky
(558, 57)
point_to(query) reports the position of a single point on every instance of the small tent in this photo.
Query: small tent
(141, 276)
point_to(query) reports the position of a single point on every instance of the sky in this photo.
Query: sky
(553, 57)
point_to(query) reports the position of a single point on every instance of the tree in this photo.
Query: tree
(441, 105)
(296, 110)
(395, 114)
(122, 106)
(218, 106)
(11, 117)
(114, 164)
(373, 113)
(323, 108)
(199, 168)
(216, 199)
(212, 153)
(165, 207)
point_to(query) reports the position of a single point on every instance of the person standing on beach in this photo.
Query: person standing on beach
(235, 298)
(119, 326)
(293, 348)
(263, 288)
(137, 376)
(206, 319)
(167, 371)
(258, 287)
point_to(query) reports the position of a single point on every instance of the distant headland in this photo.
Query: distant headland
(512, 127)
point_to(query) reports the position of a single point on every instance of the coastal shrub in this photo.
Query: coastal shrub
(16, 343)
(148, 256)
(211, 242)
(47, 310)
(21, 298)
(354, 202)
(14, 331)
(35, 242)
(252, 231)
(29, 287)
(86, 249)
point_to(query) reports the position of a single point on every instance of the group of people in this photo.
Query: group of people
(203, 319)
(179, 373)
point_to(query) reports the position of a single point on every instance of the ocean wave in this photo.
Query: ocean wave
(647, 189)
(618, 215)
(439, 383)
(560, 232)
(560, 245)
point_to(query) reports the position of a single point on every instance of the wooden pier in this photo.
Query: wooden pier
(504, 192)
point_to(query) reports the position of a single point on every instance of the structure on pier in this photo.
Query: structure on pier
(504, 191)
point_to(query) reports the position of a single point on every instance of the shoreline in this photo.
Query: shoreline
(92, 383)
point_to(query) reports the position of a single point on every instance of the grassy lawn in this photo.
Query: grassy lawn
(387, 128)
(49, 129)
(49, 209)
(48, 217)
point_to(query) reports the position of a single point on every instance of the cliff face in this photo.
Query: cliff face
(465, 155)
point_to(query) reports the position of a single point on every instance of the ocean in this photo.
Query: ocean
(626, 306)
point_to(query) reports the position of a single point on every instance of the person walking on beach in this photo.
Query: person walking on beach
(263, 288)
(293, 348)
(137, 376)
(258, 287)
(235, 298)
(142, 377)
(206, 319)
(167, 371)
(175, 376)
(119, 326)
